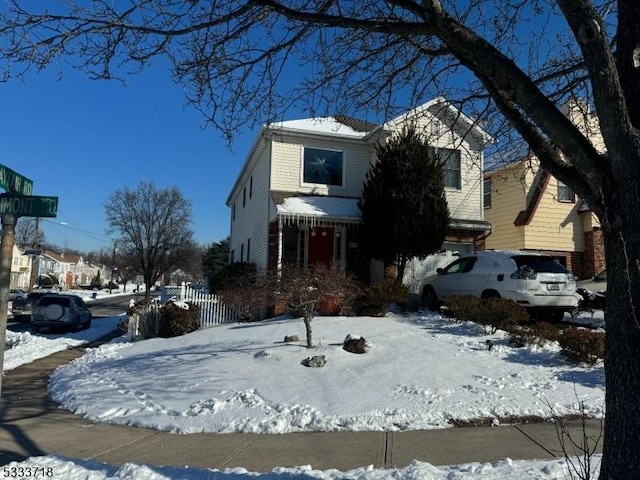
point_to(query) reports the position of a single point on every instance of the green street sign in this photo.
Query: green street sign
(28, 205)
(14, 182)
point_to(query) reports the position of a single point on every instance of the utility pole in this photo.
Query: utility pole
(6, 254)
(114, 268)
(35, 259)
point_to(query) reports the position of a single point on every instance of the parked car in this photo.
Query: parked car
(23, 307)
(61, 311)
(596, 284)
(17, 293)
(536, 281)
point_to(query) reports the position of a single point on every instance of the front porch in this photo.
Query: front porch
(312, 230)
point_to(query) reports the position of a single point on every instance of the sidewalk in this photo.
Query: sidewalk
(33, 425)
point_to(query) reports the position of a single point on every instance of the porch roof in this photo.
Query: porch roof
(319, 210)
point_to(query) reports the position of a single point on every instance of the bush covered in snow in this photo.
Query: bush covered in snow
(176, 320)
(582, 345)
(376, 299)
(492, 313)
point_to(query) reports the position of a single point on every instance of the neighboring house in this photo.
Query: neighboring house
(56, 268)
(83, 273)
(295, 200)
(531, 210)
(20, 269)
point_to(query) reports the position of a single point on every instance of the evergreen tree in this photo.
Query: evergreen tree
(214, 260)
(404, 208)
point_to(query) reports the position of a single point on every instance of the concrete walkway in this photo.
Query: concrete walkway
(31, 424)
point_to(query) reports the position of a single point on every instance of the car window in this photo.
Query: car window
(45, 301)
(78, 303)
(540, 264)
(602, 276)
(461, 265)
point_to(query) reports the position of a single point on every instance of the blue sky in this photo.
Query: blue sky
(82, 140)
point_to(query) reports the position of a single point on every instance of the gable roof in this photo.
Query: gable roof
(537, 189)
(439, 107)
(339, 126)
(62, 257)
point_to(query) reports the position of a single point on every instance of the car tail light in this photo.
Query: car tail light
(524, 273)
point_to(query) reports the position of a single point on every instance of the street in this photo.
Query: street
(100, 308)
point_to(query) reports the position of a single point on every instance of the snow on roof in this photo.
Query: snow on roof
(318, 209)
(329, 125)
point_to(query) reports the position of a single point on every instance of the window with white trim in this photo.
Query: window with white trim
(323, 167)
(487, 193)
(565, 194)
(451, 166)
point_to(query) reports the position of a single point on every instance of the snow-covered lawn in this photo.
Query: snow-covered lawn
(74, 469)
(420, 372)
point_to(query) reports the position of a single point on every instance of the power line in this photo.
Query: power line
(94, 236)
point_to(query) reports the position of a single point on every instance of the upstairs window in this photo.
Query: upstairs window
(322, 167)
(451, 166)
(487, 193)
(565, 194)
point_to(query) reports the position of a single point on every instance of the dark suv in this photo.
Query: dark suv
(61, 311)
(23, 306)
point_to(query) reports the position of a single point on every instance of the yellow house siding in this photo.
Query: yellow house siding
(508, 198)
(555, 225)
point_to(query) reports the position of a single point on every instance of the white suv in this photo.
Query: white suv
(536, 281)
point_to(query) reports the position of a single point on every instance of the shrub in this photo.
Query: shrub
(176, 321)
(232, 276)
(249, 302)
(545, 331)
(582, 345)
(535, 334)
(376, 299)
(491, 313)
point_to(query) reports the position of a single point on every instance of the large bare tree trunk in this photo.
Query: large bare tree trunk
(622, 357)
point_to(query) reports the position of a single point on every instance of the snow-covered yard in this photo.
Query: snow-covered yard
(420, 372)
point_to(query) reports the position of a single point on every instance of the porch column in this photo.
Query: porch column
(279, 260)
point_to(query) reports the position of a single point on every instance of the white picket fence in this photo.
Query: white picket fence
(212, 310)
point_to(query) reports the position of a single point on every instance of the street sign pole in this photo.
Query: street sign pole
(17, 202)
(6, 252)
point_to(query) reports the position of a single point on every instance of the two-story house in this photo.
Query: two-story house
(531, 210)
(20, 269)
(295, 200)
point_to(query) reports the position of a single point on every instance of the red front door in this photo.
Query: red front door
(320, 246)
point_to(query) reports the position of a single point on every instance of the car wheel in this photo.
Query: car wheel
(430, 299)
(87, 325)
(554, 316)
(490, 294)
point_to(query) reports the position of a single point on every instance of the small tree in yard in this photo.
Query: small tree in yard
(404, 208)
(304, 289)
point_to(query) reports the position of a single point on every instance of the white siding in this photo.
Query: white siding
(287, 165)
(465, 203)
(251, 221)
